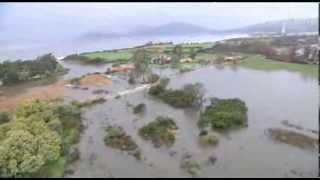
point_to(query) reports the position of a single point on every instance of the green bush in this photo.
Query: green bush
(4, 117)
(191, 166)
(178, 98)
(209, 139)
(88, 103)
(152, 78)
(224, 114)
(117, 138)
(13, 72)
(38, 136)
(189, 95)
(139, 108)
(160, 131)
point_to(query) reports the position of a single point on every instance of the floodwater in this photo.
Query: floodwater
(271, 97)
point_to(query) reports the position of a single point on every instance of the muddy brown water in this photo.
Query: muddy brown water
(271, 97)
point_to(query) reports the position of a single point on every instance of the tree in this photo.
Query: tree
(197, 91)
(141, 60)
(193, 53)
(30, 140)
(4, 117)
(38, 133)
(12, 72)
(26, 147)
(177, 54)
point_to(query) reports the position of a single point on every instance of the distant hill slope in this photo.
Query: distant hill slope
(181, 28)
(292, 26)
(176, 28)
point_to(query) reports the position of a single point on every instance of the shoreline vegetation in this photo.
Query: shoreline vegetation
(16, 72)
(269, 54)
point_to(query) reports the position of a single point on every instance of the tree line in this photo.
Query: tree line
(13, 72)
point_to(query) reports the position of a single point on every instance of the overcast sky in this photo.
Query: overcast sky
(73, 18)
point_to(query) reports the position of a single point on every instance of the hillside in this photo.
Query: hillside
(292, 26)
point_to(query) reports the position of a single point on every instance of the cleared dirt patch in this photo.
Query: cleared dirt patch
(95, 80)
(49, 92)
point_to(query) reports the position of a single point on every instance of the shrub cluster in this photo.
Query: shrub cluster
(39, 135)
(189, 95)
(13, 72)
(160, 131)
(224, 114)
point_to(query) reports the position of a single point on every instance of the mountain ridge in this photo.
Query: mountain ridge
(182, 28)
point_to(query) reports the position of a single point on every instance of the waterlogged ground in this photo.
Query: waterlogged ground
(271, 97)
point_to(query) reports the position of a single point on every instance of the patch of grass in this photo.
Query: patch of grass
(160, 132)
(117, 138)
(110, 56)
(224, 114)
(123, 55)
(191, 166)
(261, 63)
(209, 139)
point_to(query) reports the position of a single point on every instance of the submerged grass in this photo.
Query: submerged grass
(89, 103)
(261, 63)
(294, 138)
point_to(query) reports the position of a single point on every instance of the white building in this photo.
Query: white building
(283, 29)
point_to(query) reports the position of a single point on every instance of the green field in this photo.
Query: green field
(251, 61)
(121, 55)
(126, 54)
(261, 63)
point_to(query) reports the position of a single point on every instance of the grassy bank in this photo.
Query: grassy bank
(261, 63)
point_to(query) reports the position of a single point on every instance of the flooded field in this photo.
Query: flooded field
(271, 98)
(275, 100)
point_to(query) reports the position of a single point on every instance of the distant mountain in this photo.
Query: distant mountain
(181, 28)
(176, 28)
(292, 26)
(98, 35)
